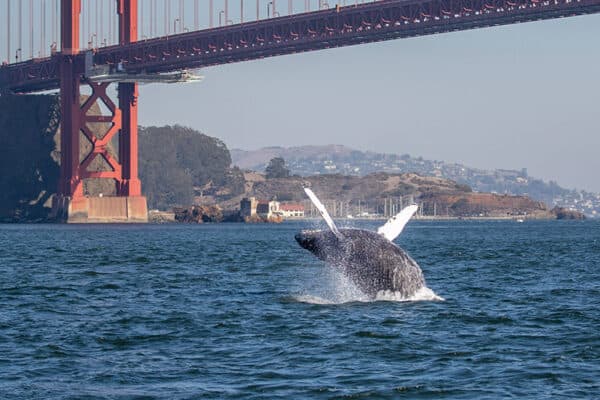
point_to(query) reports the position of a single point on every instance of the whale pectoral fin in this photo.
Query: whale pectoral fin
(394, 226)
(323, 211)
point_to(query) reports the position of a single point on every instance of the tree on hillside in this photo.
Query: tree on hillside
(175, 159)
(277, 169)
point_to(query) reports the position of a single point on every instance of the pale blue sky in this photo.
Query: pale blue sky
(516, 96)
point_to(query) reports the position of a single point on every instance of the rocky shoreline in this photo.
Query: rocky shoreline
(160, 217)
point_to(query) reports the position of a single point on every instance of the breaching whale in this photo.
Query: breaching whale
(370, 259)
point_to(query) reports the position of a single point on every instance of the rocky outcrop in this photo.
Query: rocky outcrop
(482, 205)
(563, 213)
(257, 219)
(198, 214)
(29, 157)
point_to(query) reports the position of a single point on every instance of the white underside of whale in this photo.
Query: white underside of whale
(390, 230)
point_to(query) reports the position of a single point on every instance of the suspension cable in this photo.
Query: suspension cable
(181, 16)
(8, 32)
(32, 28)
(19, 53)
(43, 30)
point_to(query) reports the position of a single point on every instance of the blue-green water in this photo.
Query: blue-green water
(241, 311)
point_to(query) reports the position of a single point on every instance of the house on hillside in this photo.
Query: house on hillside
(291, 210)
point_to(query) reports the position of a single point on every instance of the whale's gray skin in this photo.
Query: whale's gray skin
(371, 261)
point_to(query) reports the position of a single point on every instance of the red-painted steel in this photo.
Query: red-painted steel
(77, 118)
(72, 117)
(100, 144)
(128, 183)
(343, 26)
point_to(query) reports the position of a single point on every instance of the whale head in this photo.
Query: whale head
(320, 243)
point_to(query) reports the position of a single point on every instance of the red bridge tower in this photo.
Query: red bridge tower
(80, 119)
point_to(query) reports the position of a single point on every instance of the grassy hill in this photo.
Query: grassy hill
(384, 194)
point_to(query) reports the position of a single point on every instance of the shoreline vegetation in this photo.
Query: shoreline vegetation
(180, 166)
(156, 216)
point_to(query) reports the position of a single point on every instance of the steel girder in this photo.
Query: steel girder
(344, 26)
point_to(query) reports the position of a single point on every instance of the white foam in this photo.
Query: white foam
(310, 299)
(339, 289)
(423, 294)
(332, 287)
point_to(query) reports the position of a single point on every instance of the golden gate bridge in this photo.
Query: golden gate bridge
(72, 44)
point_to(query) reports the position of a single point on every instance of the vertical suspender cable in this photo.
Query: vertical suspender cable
(181, 16)
(195, 15)
(150, 19)
(114, 15)
(52, 25)
(19, 54)
(56, 25)
(226, 12)
(82, 36)
(152, 13)
(141, 24)
(31, 27)
(89, 23)
(257, 10)
(96, 30)
(241, 11)
(151, 33)
(43, 30)
(169, 17)
(210, 13)
(165, 19)
(101, 25)
(110, 23)
(89, 27)
(8, 32)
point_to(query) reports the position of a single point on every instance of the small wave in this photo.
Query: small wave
(337, 288)
(310, 299)
(423, 294)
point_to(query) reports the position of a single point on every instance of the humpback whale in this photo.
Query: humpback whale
(370, 259)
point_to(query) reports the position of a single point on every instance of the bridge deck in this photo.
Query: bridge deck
(344, 26)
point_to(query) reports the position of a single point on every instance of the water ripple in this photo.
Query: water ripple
(240, 311)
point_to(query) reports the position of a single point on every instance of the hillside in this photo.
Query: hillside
(175, 162)
(180, 167)
(28, 156)
(385, 194)
(318, 160)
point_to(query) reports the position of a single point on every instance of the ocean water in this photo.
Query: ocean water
(235, 311)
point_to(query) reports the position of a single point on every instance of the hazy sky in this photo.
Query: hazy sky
(517, 96)
(524, 95)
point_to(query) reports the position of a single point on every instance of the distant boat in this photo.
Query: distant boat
(520, 220)
(349, 216)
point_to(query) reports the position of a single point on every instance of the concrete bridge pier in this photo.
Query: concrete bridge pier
(96, 120)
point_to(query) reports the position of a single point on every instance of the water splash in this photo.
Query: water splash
(423, 294)
(336, 288)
